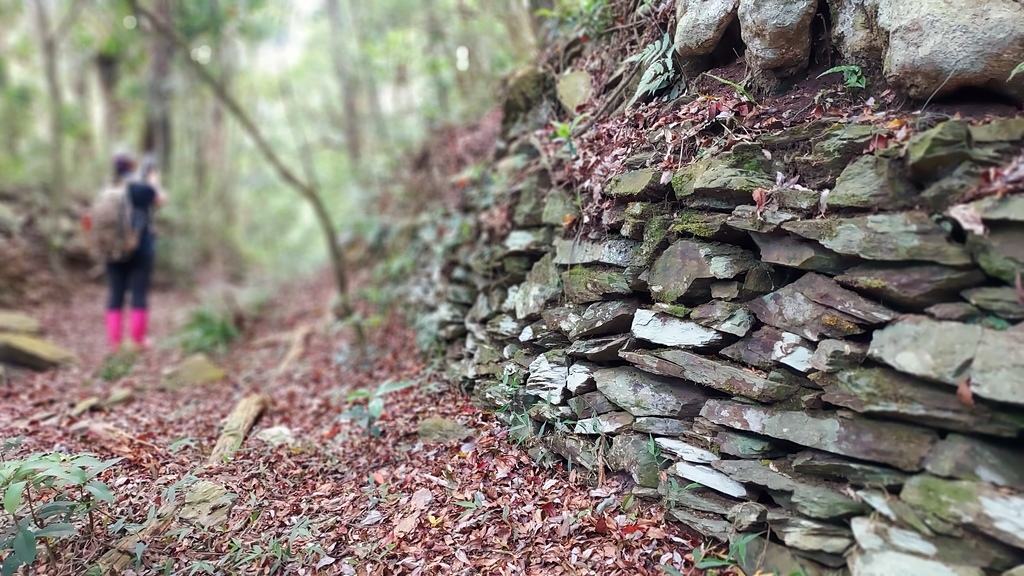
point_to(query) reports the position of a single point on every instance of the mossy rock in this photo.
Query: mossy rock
(195, 370)
(526, 89)
(574, 90)
(11, 321)
(31, 352)
(933, 152)
(645, 183)
(558, 208)
(590, 284)
(10, 222)
(872, 182)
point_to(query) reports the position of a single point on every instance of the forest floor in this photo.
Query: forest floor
(336, 499)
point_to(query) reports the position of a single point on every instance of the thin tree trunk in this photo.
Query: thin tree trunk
(342, 59)
(308, 192)
(108, 70)
(436, 36)
(56, 102)
(157, 134)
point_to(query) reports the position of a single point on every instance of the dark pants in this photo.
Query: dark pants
(133, 274)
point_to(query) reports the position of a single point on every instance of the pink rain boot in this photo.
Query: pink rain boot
(114, 329)
(137, 327)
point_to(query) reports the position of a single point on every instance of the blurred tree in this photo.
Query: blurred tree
(344, 57)
(156, 139)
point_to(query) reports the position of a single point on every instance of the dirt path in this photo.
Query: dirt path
(336, 500)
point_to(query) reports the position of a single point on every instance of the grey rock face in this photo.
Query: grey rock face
(591, 404)
(604, 318)
(899, 445)
(830, 466)
(911, 286)
(685, 451)
(547, 379)
(807, 499)
(729, 317)
(892, 237)
(644, 183)
(884, 392)
(622, 252)
(836, 355)
(671, 331)
(777, 33)
(608, 423)
(542, 286)
(599, 349)
(886, 562)
(642, 394)
(1002, 301)
(687, 268)
(709, 478)
(767, 347)
(630, 453)
(979, 505)
(967, 458)
(590, 284)
(702, 24)
(660, 426)
(872, 182)
(875, 535)
(716, 374)
(801, 254)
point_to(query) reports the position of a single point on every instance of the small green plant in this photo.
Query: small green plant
(562, 132)
(118, 365)
(737, 87)
(736, 556)
(208, 331)
(45, 496)
(368, 415)
(853, 76)
(1017, 70)
(659, 69)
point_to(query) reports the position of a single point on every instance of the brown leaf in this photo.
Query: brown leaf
(601, 525)
(964, 393)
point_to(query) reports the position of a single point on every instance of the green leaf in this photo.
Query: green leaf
(12, 497)
(25, 546)
(1017, 70)
(376, 408)
(358, 394)
(389, 386)
(56, 530)
(100, 491)
(670, 570)
(466, 504)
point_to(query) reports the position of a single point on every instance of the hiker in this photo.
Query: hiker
(132, 270)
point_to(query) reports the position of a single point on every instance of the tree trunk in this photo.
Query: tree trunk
(304, 189)
(156, 138)
(108, 67)
(436, 37)
(56, 102)
(342, 57)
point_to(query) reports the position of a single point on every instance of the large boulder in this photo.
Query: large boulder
(777, 33)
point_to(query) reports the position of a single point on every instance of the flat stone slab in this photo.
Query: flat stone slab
(542, 285)
(589, 284)
(904, 236)
(709, 478)
(802, 254)
(622, 252)
(885, 392)
(899, 445)
(831, 466)
(661, 426)
(836, 355)
(609, 423)
(729, 317)
(13, 321)
(1002, 301)
(668, 330)
(685, 451)
(807, 499)
(604, 349)
(988, 509)
(687, 268)
(717, 374)
(603, 318)
(769, 346)
(643, 394)
(890, 562)
(31, 352)
(548, 379)
(966, 458)
(710, 527)
(633, 185)
(591, 404)
(878, 535)
(914, 286)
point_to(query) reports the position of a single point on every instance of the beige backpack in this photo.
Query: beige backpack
(113, 237)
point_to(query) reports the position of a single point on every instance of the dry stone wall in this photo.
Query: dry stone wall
(848, 387)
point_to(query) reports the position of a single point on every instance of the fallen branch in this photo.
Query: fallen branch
(299, 338)
(239, 422)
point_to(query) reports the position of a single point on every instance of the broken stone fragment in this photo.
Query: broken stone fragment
(643, 394)
(645, 183)
(660, 426)
(899, 445)
(581, 378)
(826, 292)
(746, 445)
(966, 458)
(988, 509)
(886, 562)
(579, 450)
(709, 478)
(599, 349)
(542, 286)
(591, 404)
(13, 321)
(31, 352)
(768, 346)
(836, 355)
(630, 453)
(748, 219)
(604, 318)
(955, 311)
(790, 310)
(609, 423)
(729, 317)
(914, 286)
(872, 182)
(687, 268)
(885, 392)
(1000, 253)
(748, 516)
(726, 290)
(717, 374)
(876, 535)
(809, 535)
(831, 466)
(590, 284)
(622, 252)
(890, 237)
(685, 451)
(703, 522)
(671, 331)
(548, 378)
(935, 151)
(807, 499)
(801, 254)
(1002, 301)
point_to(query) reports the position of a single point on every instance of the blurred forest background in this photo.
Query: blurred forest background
(339, 90)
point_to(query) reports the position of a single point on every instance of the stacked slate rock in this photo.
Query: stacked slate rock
(848, 388)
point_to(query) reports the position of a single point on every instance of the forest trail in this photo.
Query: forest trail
(332, 499)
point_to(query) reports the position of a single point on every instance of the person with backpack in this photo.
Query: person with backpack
(121, 231)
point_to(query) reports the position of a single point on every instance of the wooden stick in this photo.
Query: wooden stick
(239, 422)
